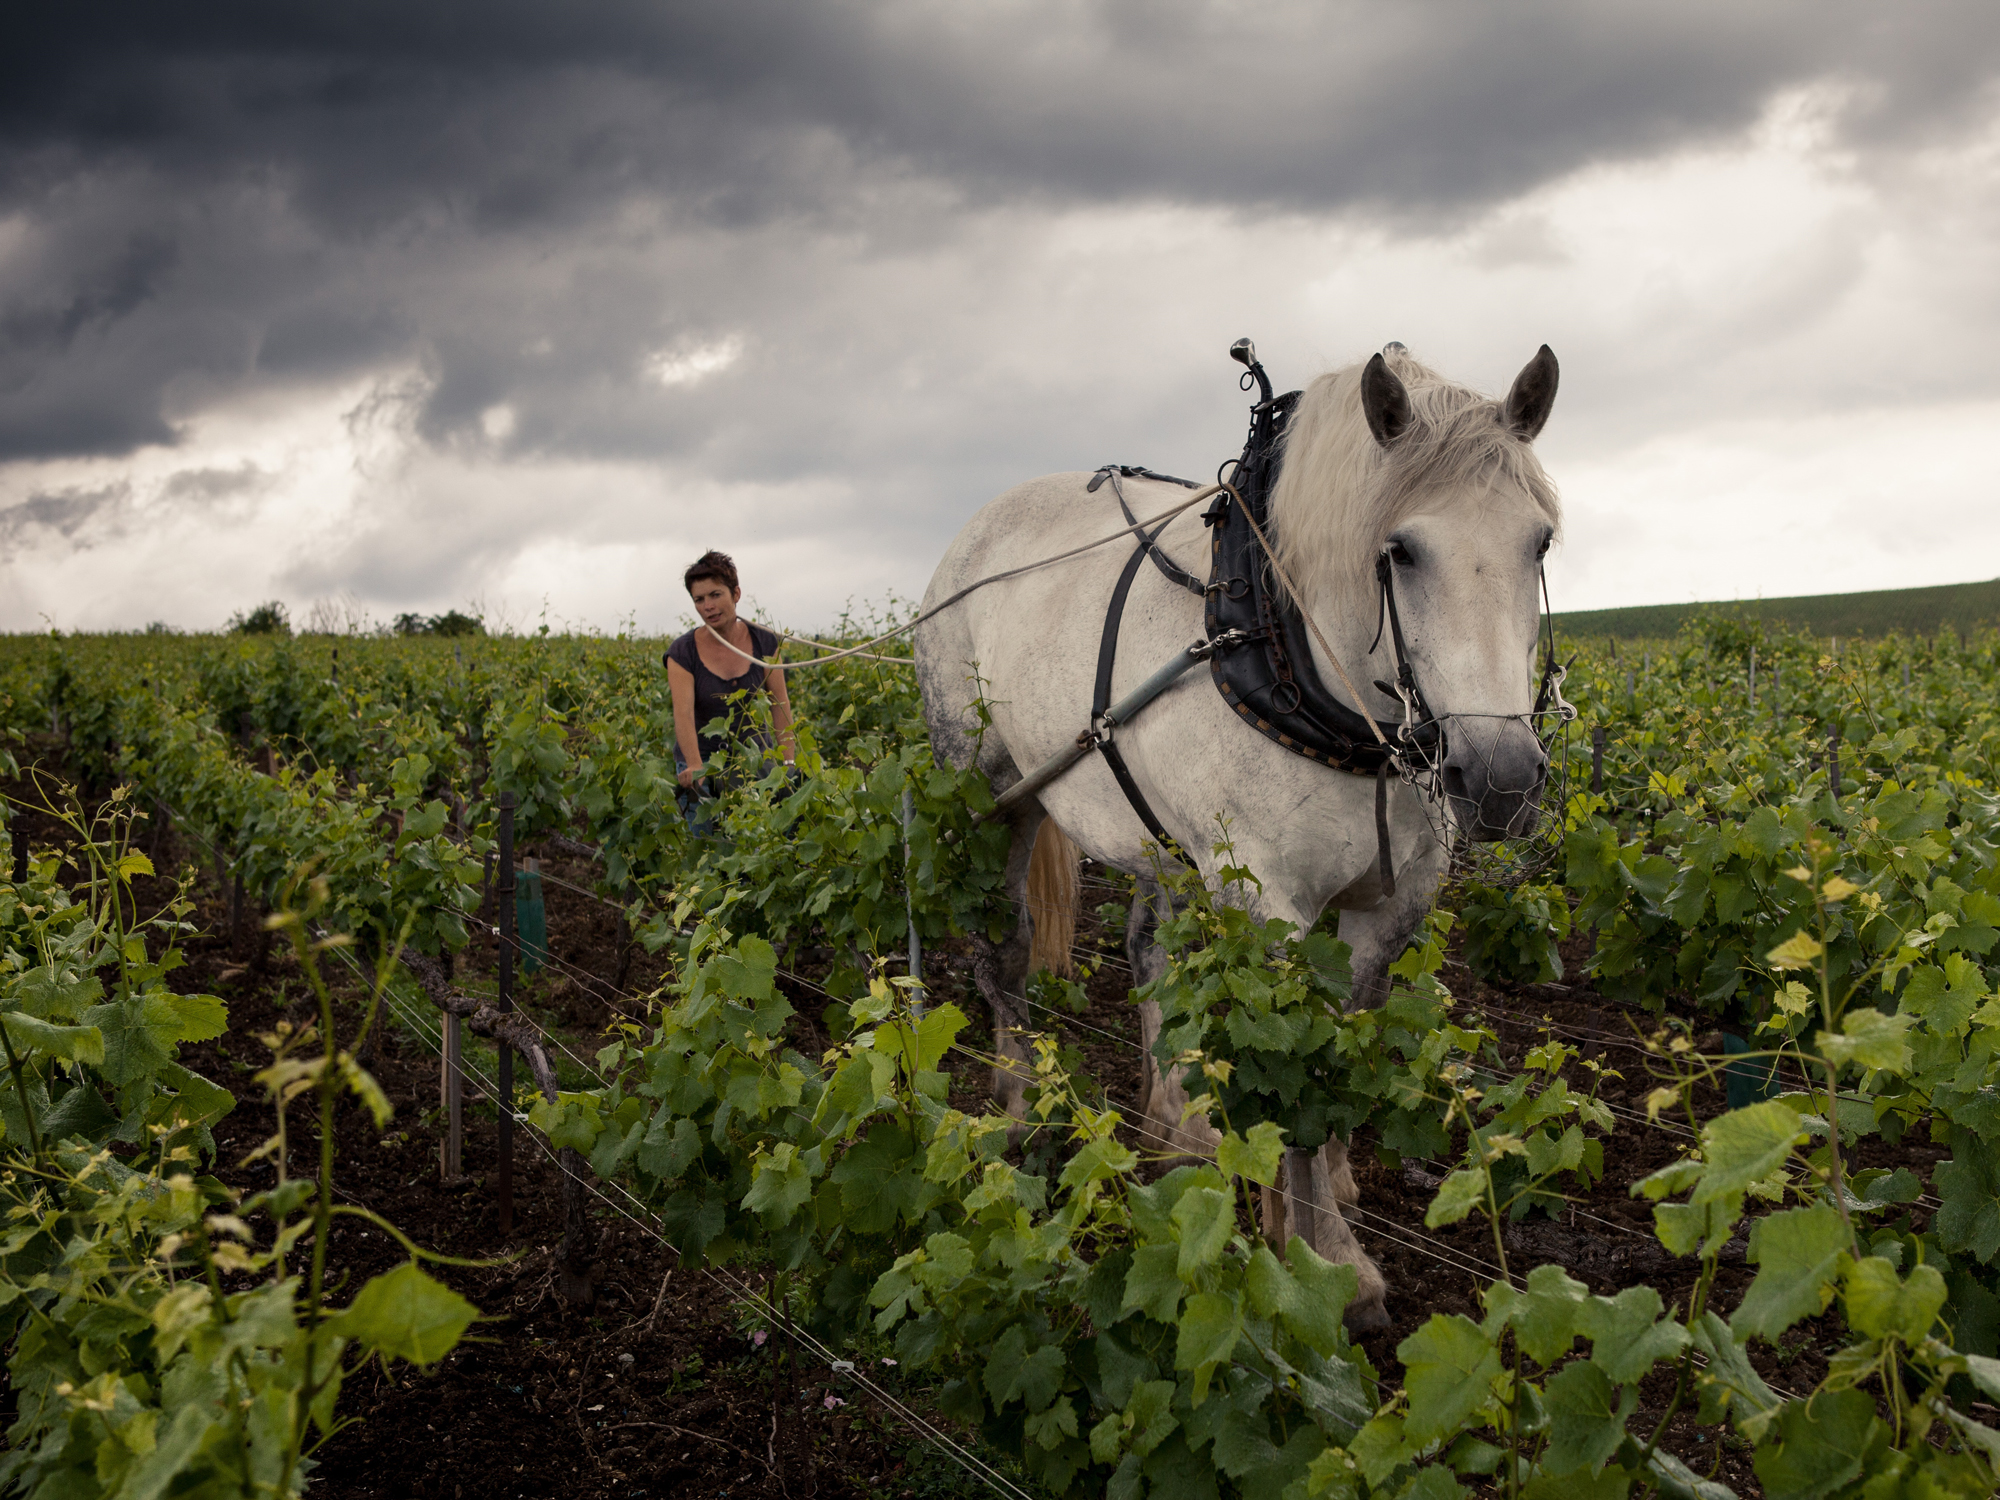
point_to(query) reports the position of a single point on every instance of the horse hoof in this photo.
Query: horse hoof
(1364, 1318)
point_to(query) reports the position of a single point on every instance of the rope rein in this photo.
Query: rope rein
(862, 650)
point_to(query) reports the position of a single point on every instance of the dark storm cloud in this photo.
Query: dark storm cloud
(528, 201)
(517, 112)
(64, 514)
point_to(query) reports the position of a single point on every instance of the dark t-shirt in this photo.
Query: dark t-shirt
(712, 692)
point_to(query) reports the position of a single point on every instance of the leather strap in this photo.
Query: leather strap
(1174, 574)
(1107, 658)
(1386, 864)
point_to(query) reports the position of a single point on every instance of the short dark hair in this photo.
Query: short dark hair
(712, 564)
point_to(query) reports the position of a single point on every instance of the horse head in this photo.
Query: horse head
(1403, 491)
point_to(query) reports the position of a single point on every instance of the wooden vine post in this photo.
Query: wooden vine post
(20, 832)
(512, 1030)
(451, 1089)
(505, 901)
(1597, 757)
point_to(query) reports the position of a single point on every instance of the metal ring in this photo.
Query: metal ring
(1277, 700)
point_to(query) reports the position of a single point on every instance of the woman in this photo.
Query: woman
(719, 658)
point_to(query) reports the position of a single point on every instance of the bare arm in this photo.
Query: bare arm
(781, 712)
(681, 681)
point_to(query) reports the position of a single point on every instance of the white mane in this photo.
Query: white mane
(1340, 493)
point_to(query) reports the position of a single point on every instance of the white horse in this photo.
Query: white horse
(1382, 456)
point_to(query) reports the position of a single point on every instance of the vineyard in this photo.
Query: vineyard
(1678, 1138)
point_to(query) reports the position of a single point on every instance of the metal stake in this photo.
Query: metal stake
(1753, 679)
(20, 833)
(910, 903)
(506, 1003)
(1597, 758)
(1833, 762)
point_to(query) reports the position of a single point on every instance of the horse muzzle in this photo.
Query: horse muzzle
(1493, 777)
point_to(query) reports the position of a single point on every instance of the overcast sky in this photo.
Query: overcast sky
(407, 306)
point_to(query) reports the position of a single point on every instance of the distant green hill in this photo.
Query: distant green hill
(1912, 611)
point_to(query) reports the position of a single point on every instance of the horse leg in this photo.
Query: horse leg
(1379, 934)
(1000, 972)
(1322, 1182)
(1163, 1098)
(1339, 1172)
(1311, 1204)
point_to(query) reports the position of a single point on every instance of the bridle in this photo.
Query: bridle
(1421, 745)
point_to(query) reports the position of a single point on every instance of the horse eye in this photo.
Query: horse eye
(1543, 550)
(1400, 554)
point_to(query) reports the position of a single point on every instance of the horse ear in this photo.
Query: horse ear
(1534, 394)
(1384, 401)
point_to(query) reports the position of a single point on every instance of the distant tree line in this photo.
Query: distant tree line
(272, 618)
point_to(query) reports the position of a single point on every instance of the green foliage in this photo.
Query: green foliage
(451, 622)
(269, 618)
(1130, 1337)
(1511, 932)
(136, 1369)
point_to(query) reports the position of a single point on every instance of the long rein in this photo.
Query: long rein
(1138, 526)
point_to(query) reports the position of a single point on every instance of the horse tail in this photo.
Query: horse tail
(1054, 890)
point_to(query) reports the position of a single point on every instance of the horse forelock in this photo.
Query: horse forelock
(1340, 493)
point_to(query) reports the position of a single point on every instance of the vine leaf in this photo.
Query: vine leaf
(1745, 1146)
(201, 1018)
(1969, 1183)
(1012, 1372)
(405, 1314)
(780, 1185)
(1255, 1157)
(1819, 1445)
(1627, 1335)
(1683, 1226)
(67, 1043)
(1730, 1382)
(1382, 1446)
(1797, 1253)
(1944, 998)
(1151, 1415)
(1460, 1194)
(1870, 1039)
(1210, 1326)
(1879, 1303)
(1153, 1286)
(1308, 1294)
(57, 993)
(1205, 1217)
(1587, 1416)
(1545, 1318)
(1449, 1365)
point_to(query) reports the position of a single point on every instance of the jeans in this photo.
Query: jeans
(697, 803)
